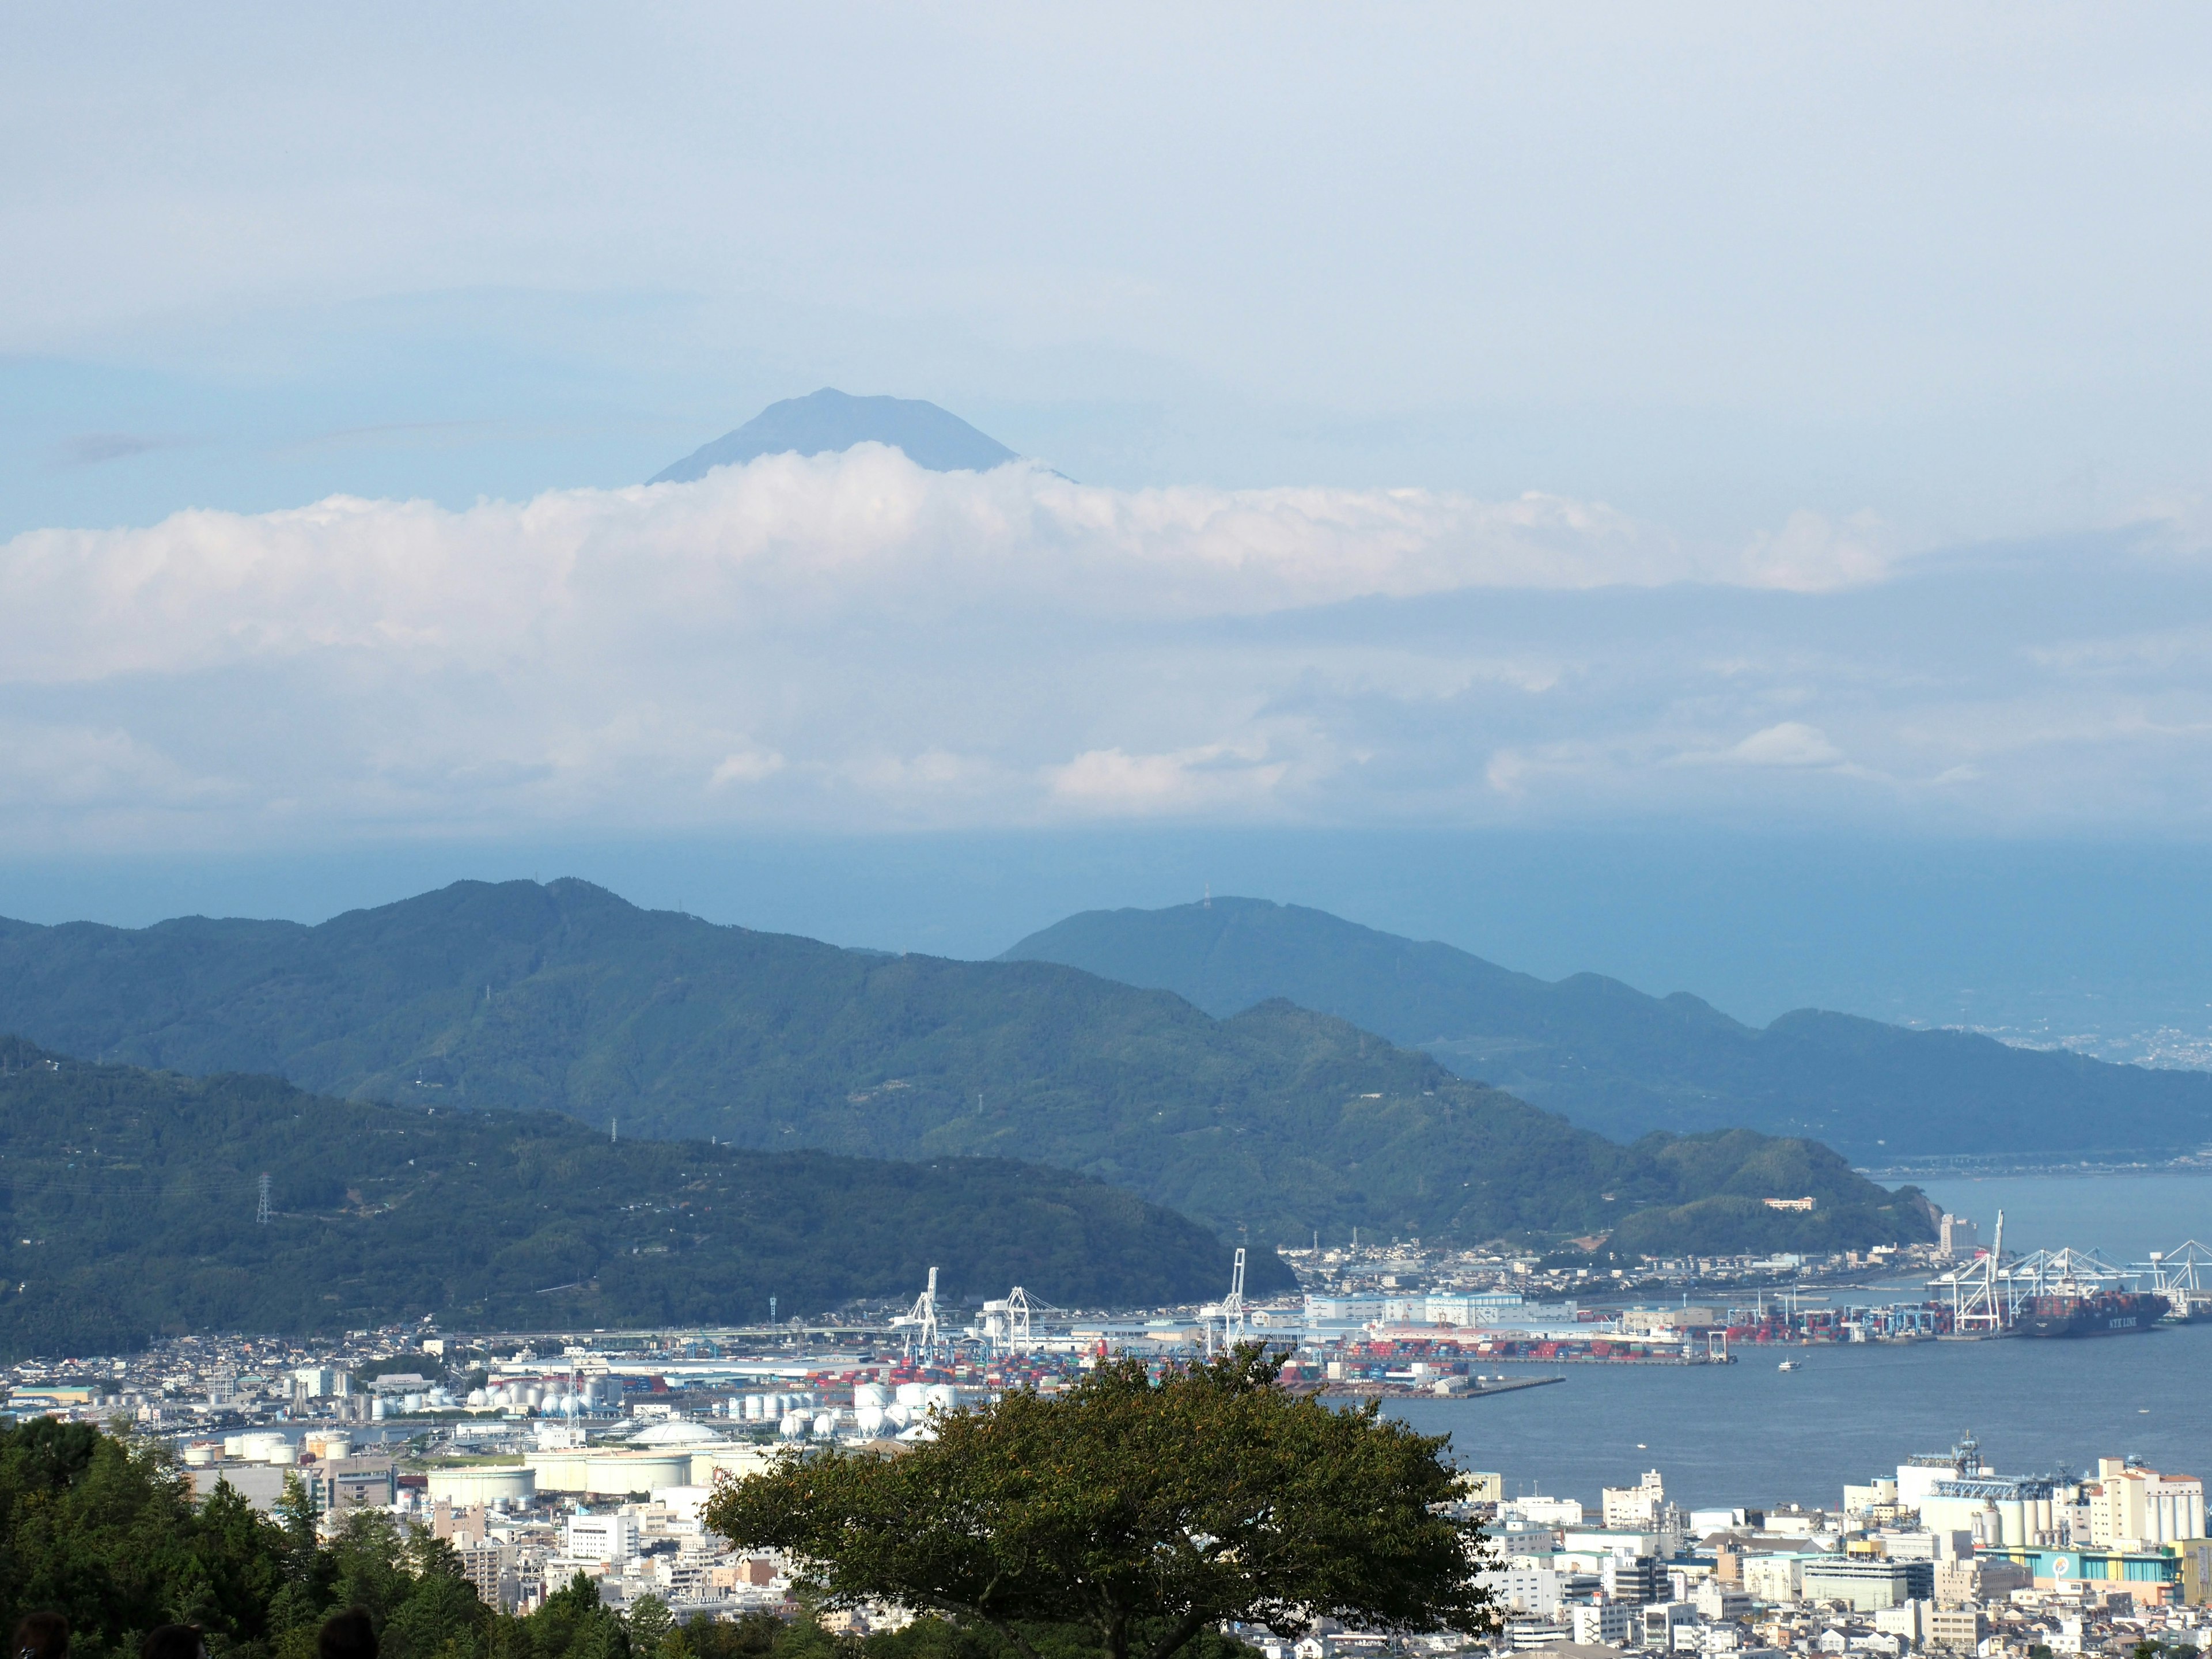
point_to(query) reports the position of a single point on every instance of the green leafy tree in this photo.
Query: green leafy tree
(1141, 1513)
(650, 1624)
(104, 1531)
(572, 1625)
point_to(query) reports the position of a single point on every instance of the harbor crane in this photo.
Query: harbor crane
(2183, 1276)
(1230, 1310)
(1978, 1304)
(1007, 1323)
(920, 1323)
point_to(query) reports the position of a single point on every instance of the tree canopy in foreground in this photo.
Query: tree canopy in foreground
(1142, 1512)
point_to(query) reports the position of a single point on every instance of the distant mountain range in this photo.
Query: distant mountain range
(1623, 1063)
(830, 420)
(129, 1199)
(1266, 1127)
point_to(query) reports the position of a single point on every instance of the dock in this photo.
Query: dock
(1369, 1390)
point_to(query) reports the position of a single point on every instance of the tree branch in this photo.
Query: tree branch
(1013, 1635)
(1182, 1630)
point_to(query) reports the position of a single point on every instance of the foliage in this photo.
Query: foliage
(1269, 1125)
(106, 1532)
(136, 1191)
(1142, 1512)
(1625, 1063)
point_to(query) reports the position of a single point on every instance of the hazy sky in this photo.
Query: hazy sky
(1755, 415)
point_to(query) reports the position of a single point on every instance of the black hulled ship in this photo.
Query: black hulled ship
(2102, 1313)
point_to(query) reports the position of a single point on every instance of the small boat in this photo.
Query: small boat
(1787, 1365)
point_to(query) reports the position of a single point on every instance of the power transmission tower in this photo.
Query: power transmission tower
(261, 1213)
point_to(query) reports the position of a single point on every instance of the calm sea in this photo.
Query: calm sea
(1750, 1434)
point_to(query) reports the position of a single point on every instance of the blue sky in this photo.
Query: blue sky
(1712, 266)
(1726, 420)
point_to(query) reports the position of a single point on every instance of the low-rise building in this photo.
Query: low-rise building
(1771, 1578)
(1866, 1583)
(1957, 1630)
(1601, 1624)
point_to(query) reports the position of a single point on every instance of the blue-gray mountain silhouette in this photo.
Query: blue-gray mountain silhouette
(1623, 1063)
(828, 420)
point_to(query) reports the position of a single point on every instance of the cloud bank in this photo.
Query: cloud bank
(851, 641)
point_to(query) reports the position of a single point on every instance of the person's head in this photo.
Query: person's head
(173, 1642)
(42, 1636)
(347, 1635)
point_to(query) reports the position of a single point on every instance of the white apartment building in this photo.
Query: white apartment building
(1635, 1506)
(1772, 1578)
(611, 1539)
(1533, 1590)
(1603, 1624)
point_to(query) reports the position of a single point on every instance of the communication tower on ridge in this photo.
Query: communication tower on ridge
(261, 1210)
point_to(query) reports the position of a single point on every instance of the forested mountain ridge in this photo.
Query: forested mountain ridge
(1267, 1127)
(1624, 1063)
(129, 1198)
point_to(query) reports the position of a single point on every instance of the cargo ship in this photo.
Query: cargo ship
(2107, 1313)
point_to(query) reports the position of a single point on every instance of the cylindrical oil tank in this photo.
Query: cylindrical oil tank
(484, 1483)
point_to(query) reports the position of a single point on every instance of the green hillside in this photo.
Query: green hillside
(1266, 1127)
(129, 1200)
(1624, 1063)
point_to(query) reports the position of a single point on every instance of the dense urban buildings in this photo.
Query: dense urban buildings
(540, 1457)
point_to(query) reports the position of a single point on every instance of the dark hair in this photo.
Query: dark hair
(42, 1636)
(173, 1642)
(347, 1635)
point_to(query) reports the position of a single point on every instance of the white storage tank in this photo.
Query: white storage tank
(484, 1483)
(793, 1425)
(560, 1470)
(912, 1395)
(825, 1424)
(869, 1419)
(870, 1394)
(618, 1474)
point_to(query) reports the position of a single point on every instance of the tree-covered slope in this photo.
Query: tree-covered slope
(1625, 1063)
(129, 1198)
(1266, 1127)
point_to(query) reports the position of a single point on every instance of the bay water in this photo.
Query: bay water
(1750, 1434)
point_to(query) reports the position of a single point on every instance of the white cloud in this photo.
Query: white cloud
(1210, 778)
(791, 541)
(1813, 554)
(746, 766)
(852, 640)
(1791, 743)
